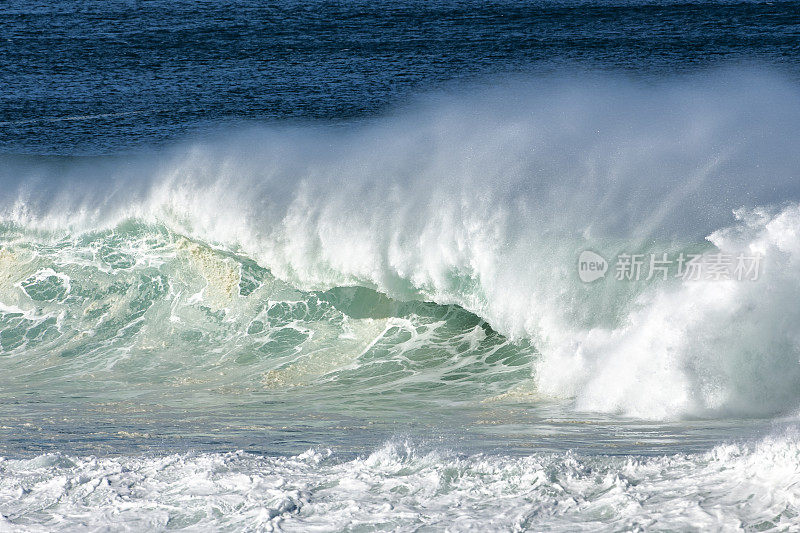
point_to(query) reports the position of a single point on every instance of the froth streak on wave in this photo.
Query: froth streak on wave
(401, 488)
(486, 199)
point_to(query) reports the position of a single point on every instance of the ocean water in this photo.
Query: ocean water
(317, 267)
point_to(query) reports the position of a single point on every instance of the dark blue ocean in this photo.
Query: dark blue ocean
(89, 77)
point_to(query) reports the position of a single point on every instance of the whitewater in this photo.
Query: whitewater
(397, 489)
(295, 291)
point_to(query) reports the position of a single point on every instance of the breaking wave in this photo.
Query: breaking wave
(311, 250)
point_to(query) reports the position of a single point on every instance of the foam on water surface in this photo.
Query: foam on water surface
(400, 488)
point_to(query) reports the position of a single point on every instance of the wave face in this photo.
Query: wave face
(144, 306)
(244, 247)
(400, 488)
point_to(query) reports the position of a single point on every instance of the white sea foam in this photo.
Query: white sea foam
(399, 488)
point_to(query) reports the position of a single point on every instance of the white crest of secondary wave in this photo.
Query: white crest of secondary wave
(401, 488)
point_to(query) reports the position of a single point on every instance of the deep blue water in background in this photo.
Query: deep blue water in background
(81, 77)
